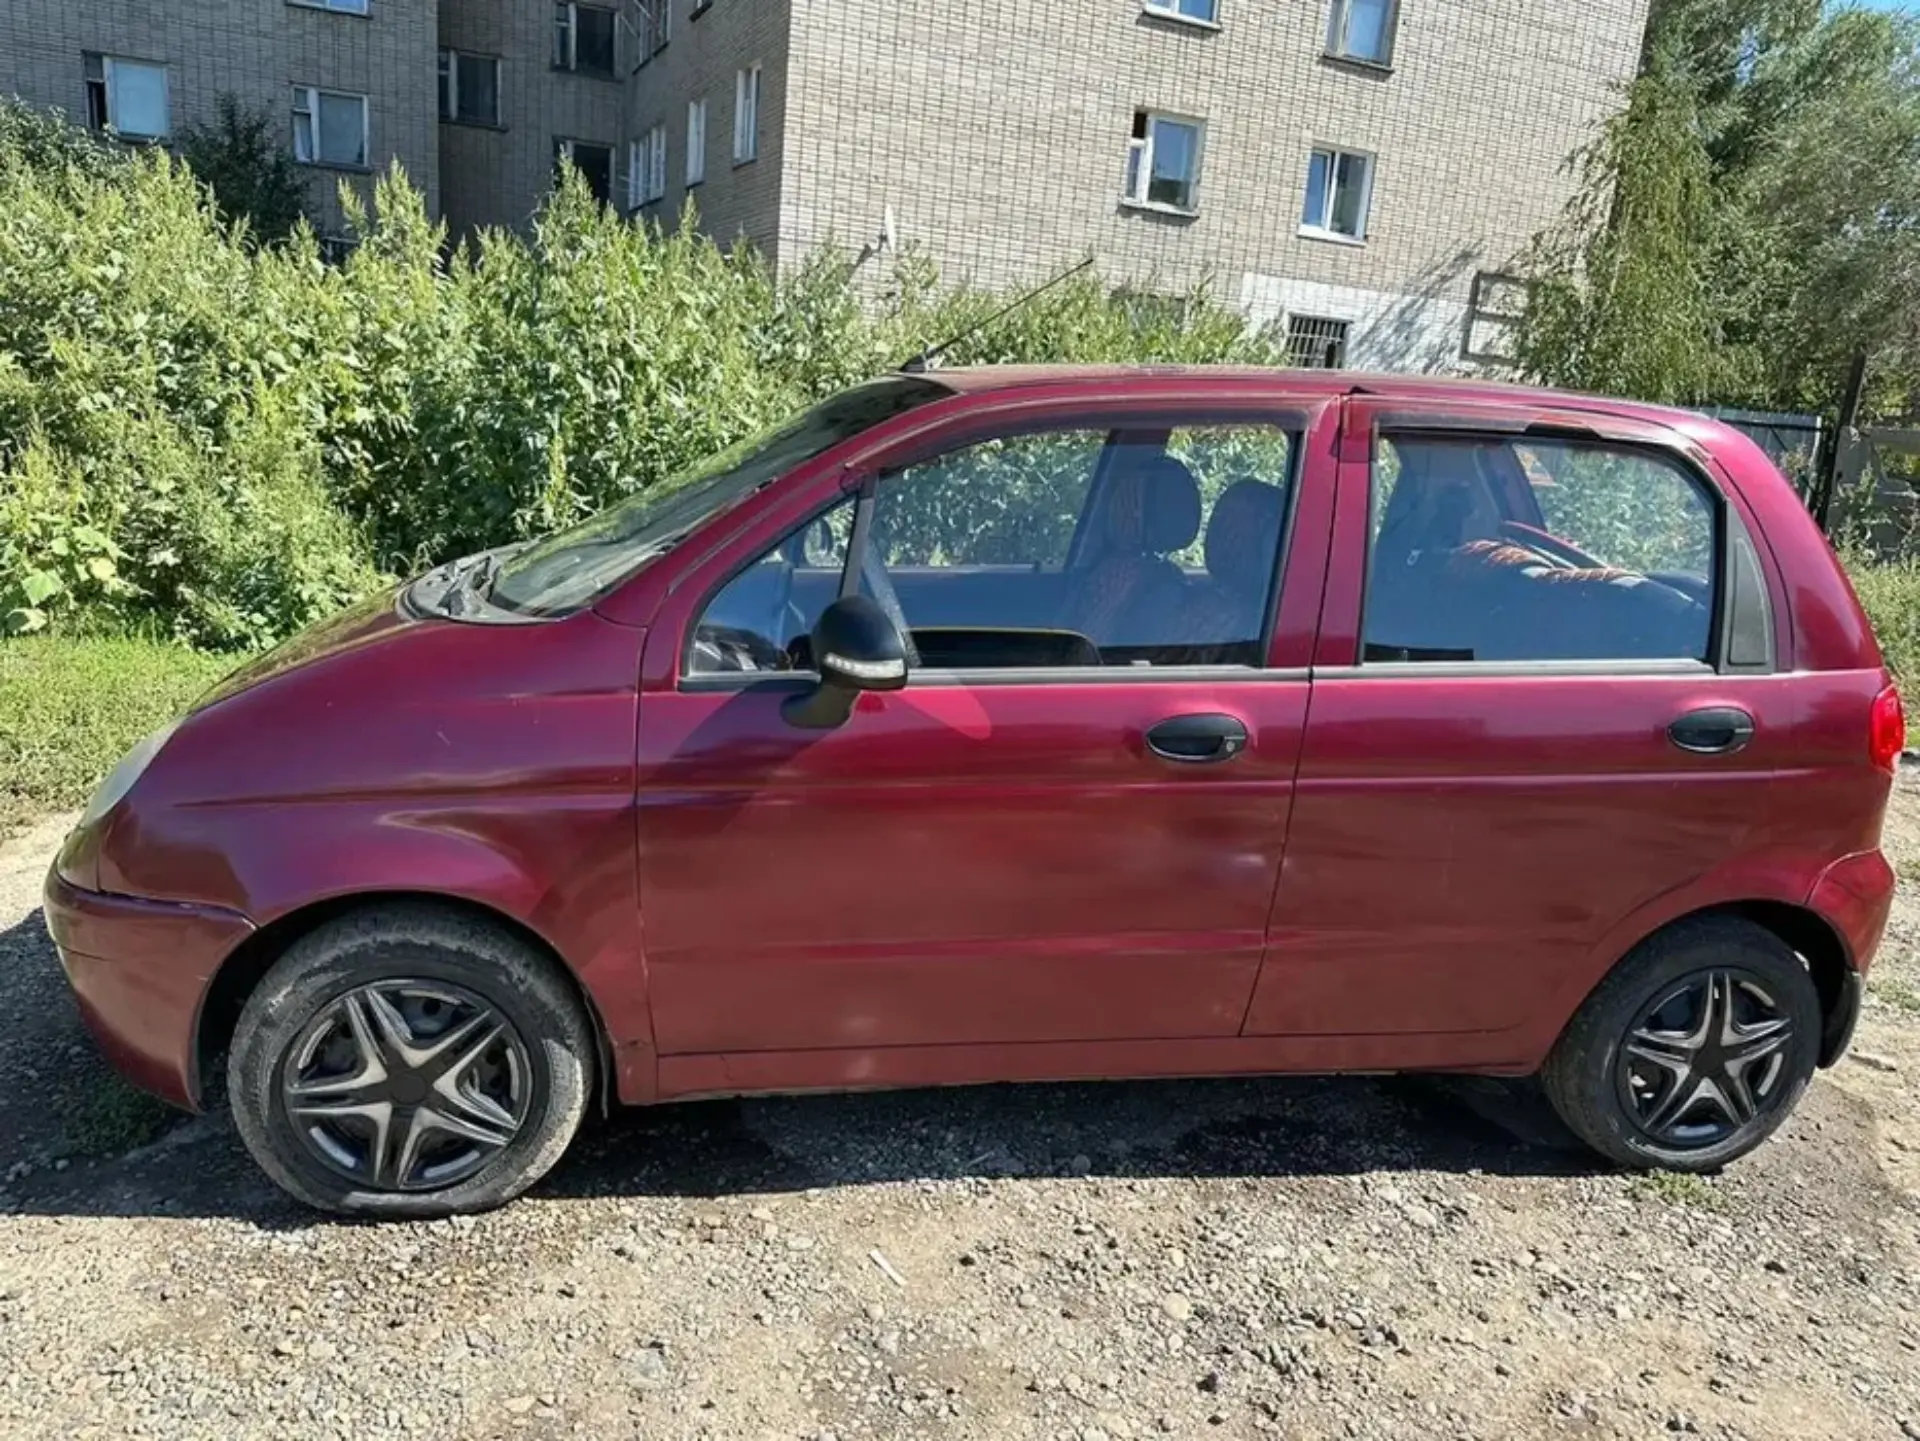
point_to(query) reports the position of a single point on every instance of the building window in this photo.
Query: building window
(593, 161)
(1202, 12)
(1315, 343)
(647, 168)
(1496, 305)
(746, 115)
(583, 38)
(696, 142)
(344, 7)
(469, 88)
(1339, 191)
(656, 18)
(329, 127)
(1163, 161)
(1363, 30)
(128, 97)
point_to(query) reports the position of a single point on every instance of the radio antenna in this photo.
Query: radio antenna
(925, 359)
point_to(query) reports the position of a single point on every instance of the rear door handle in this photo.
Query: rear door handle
(1714, 730)
(1198, 739)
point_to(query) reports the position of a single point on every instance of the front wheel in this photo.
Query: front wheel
(409, 1062)
(1692, 1051)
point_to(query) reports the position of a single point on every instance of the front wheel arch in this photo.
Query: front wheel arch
(241, 972)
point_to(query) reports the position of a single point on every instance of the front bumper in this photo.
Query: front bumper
(139, 970)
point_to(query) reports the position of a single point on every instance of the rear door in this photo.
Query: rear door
(1029, 843)
(1543, 698)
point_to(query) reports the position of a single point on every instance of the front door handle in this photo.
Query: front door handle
(1198, 739)
(1712, 731)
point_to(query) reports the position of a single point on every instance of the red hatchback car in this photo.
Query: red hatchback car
(1021, 724)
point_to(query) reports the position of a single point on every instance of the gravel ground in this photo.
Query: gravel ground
(1389, 1258)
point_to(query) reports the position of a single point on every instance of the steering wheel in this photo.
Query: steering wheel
(1551, 548)
(726, 650)
(874, 572)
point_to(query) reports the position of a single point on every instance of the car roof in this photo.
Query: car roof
(985, 379)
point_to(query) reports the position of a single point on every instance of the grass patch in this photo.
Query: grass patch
(1898, 994)
(69, 708)
(1676, 1188)
(111, 1118)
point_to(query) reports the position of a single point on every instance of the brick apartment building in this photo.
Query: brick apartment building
(1350, 168)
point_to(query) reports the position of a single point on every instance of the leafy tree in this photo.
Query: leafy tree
(1748, 221)
(242, 159)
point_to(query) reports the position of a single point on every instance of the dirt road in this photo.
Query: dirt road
(1391, 1258)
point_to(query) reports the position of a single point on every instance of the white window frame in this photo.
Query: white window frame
(1322, 229)
(450, 63)
(746, 114)
(1175, 10)
(338, 7)
(696, 142)
(571, 64)
(1339, 23)
(658, 15)
(1139, 180)
(110, 102)
(647, 168)
(306, 104)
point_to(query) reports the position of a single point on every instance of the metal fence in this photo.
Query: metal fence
(1792, 442)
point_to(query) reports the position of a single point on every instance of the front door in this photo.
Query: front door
(1068, 826)
(1543, 703)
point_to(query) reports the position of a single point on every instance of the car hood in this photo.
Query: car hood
(369, 623)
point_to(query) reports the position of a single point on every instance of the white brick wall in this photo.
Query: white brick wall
(256, 49)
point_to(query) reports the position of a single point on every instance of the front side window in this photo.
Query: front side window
(1059, 548)
(1207, 12)
(1521, 550)
(593, 161)
(573, 568)
(469, 88)
(343, 7)
(1339, 193)
(1163, 161)
(1363, 30)
(329, 127)
(128, 97)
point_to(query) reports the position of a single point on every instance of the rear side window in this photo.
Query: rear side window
(1496, 549)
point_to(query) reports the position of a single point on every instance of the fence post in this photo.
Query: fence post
(1850, 401)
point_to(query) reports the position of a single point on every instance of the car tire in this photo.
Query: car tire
(1691, 1051)
(410, 1061)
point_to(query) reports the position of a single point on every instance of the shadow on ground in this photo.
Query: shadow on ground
(1236, 1128)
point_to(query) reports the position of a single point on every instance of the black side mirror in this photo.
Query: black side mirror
(855, 647)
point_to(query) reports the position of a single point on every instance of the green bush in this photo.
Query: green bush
(220, 441)
(1890, 592)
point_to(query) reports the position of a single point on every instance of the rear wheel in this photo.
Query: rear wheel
(409, 1062)
(1692, 1051)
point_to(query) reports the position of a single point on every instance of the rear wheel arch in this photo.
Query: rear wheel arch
(1803, 930)
(242, 971)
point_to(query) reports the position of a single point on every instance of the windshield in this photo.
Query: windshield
(575, 567)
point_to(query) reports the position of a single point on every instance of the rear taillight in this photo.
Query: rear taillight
(1887, 729)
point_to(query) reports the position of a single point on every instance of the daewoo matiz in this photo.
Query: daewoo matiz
(1018, 724)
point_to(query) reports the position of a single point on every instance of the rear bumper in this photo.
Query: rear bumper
(139, 970)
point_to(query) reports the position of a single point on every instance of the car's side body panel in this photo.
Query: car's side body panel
(977, 882)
